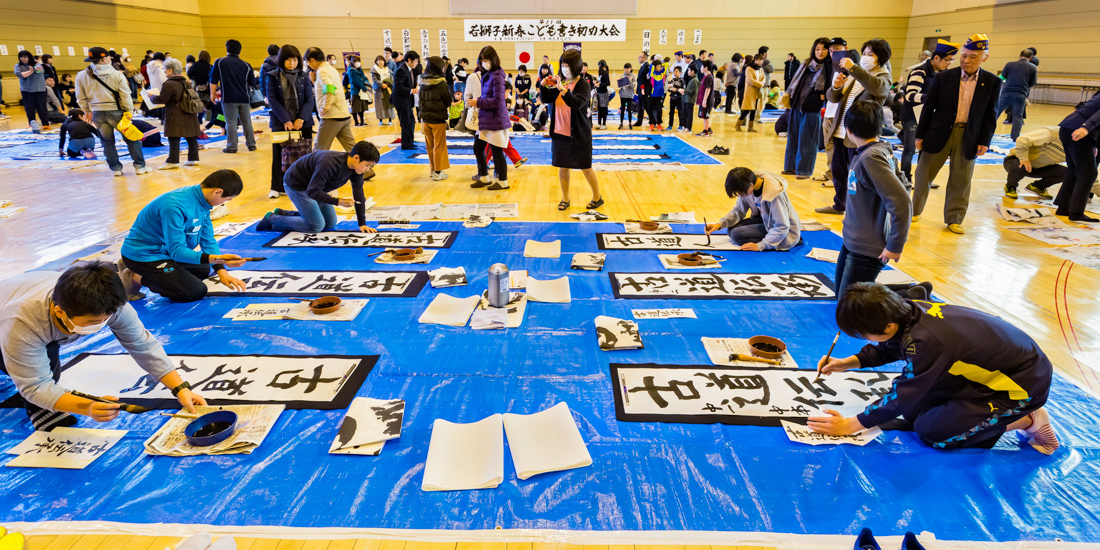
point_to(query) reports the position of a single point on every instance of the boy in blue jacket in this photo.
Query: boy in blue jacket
(159, 252)
(968, 378)
(763, 218)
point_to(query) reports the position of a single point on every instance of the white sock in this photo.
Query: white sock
(224, 543)
(200, 541)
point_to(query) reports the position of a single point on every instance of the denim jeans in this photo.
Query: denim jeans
(855, 268)
(78, 145)
(106, 122)
(313, 217)
(1014, 104)
(748, 230)
(803, 136)
(909, 148)
(233, 112)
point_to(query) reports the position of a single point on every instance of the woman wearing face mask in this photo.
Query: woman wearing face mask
(359, 88)
(290, 95)
(382, 82)
(493, 121)
(752, 101)
(571, 126)
(868, 81)
(32, 84)
(807, 97)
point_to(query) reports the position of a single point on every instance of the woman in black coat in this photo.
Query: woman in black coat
(571, 146)
(290, 97)
(177, 124)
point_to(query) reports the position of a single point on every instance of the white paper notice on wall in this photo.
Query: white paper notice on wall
(698, 36)
(125, 52)
(57, 50)
(662, 38)
(387, 38)
(406, 40)
(425, 50)
(19, 47)
(680, 35)
(72, 51)
(85, 51)
(37, 50)
(3, 50)
(646, 35)
(443, 42)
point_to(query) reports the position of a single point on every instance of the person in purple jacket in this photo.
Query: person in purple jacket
(493, 121)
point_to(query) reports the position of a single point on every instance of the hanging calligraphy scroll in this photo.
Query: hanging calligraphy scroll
(712, 286)
(739, 395)
(676, 241)
(372, 284)
(352, 239)
(315, 382)
(544, 30)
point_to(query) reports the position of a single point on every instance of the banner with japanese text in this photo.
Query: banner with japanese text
(544, 30)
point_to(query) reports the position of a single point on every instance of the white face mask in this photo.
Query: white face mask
(90, 329)
(566, 73)
(867, 62)
(358, 64)
(486, 65)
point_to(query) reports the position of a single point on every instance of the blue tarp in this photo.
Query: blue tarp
(658, 148)
(644, 476)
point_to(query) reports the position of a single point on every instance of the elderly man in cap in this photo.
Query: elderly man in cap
(916, 86)
(104, 95)
(679, 62)
(957, 123)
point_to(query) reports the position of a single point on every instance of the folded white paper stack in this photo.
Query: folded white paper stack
(546, 441)
(515, 311)
(634, 227)
(465, 456)
(476, 220)
(588, 261)
(824, 255)
(449, 310)
(367, 425)
(423, 257)
(536, 249)
(617, 334)
(554, 290)
(492, 318)
(447, 276)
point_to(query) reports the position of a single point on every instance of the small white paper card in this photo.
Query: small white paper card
(66, 448)
(802, 434)
(537, 249)
(554, 290)
(670, 313)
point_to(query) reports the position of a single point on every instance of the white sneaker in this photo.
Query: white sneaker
(273, 194)
(118, 173)
(1041, 434)
(191, 163)
(441, 176)
(142, 170)
(169, 166)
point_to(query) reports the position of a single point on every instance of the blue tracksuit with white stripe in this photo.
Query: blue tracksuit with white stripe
(967, 375)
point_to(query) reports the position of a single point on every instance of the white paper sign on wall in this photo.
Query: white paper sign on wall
(85, 51)
(72, 51)
(19, 48)
(56, 50)
(387, 39)
(680, 35)
(406, 40)
(646, 35)
(443, 43)
(38, 50)
(662, 37)
(3, 50)
(698, 36)
(125, 52)
(425, 43)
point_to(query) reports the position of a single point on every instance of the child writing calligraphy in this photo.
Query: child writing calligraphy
(763, 218)
(41, 310)
(968, 378)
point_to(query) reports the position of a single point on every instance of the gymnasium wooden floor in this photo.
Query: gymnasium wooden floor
(990, 267)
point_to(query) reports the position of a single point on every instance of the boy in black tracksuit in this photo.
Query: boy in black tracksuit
(969, 376)
(675, 96)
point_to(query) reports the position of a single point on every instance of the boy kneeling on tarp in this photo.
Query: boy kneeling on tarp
(969, 377)
(40, 310)
(763, 218)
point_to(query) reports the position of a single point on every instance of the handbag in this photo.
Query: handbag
(471, 120)
(295, 149)
(256, 98)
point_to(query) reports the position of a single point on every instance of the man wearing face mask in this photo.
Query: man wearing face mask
(41, 310)
(920, 79)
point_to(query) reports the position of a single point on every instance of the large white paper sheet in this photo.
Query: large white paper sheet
(546, 441)
(449, 310)
(465, 456)
(554, 290)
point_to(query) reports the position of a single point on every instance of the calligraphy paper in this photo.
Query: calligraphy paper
(449, 310)
(254, 422)
(669, 313)
(465, 456)
(447, 277)
(588, 261)
(516, 308)
(802, 434)
(1036, 216)
(65, 448)
(814, 226)
(298, 311)
(675, 217)
(617, 334)
(672, 261)
(740, 286)
(546, 441)
(720, 349)
(536, 249)
(372, 284)
(475, 221)
(554, 290)
(231, 228)
(894, 277)
(1062, 236)
(633, 227)
(517, 278)
(739, 395)
(299, 382)
(1081, 255)
(824, 255)
(382, 239)
(677, 241)
(367, 425)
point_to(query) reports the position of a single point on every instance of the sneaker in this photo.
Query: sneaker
(620, 126)
(142, 170)
(956, 228)
(228, 150)
(281, 212)
(440, 176)
(191, 163)
(828, 210)
(169, 166)
(251, 147)
(497, 186)
(273, 194)
(521, 162)
(1041, 434)
(935, 186)
(219, 211)
(1041, 192)
(118, 173)
(787, 172)
(478, 183)
(1011, 193)
(910, 542)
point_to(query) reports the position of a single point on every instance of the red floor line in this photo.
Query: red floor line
(1069, 321)
(1058, 310)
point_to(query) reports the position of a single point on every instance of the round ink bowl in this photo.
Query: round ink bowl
(767, 346)
(404, 254)
(649, 226)
(211, 428)
(689, 259)
(325, 305)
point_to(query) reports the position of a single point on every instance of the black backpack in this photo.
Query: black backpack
(191, 103)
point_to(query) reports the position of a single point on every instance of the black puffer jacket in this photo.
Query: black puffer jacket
(435, 99)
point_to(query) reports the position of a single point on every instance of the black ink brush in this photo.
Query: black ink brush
(827, 356)
(705, 231)
(132, 409)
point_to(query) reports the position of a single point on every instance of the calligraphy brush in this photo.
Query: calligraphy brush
(181, 415)
(132, 409)
(254, 259)
(742, 357)
(377, 253)
(827, 356)
(705, 231)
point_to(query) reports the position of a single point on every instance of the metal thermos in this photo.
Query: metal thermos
(498, 285)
